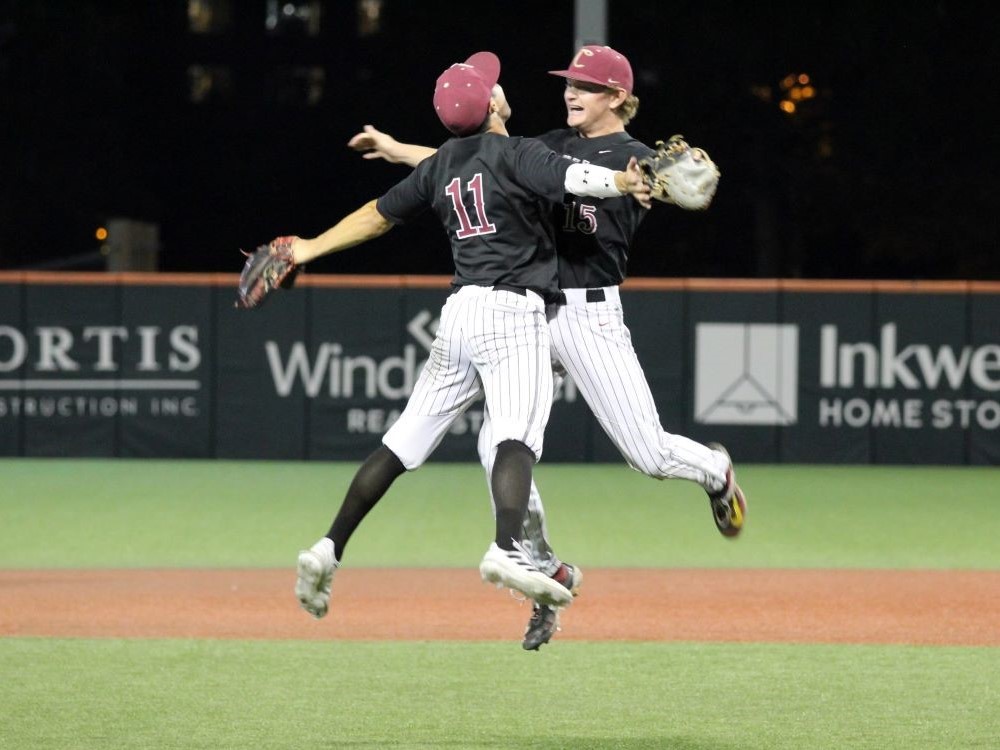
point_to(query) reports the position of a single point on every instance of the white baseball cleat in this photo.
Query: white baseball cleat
(515, 570)
(316, 567)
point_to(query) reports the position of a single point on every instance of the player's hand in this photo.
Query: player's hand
(374, 144)
(636, 185)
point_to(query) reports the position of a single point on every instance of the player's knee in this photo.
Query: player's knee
(389, 459)
(649, 467)
(512, 448)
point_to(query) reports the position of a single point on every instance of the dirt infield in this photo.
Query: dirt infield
(799, 606)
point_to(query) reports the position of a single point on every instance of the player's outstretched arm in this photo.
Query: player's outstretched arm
(276, 264)
(601, 182)
(374, 144)
(364, 224)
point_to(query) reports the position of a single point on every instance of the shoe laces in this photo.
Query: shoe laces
(524, 557)
(520, 550)
(519, 547)
(517, 596)
(537, 616)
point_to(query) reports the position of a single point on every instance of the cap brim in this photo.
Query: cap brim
(487, 65)
(577, 76)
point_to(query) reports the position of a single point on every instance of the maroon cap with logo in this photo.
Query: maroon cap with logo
(601, 65)
(462, 93)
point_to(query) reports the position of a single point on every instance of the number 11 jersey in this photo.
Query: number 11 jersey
(493, 194)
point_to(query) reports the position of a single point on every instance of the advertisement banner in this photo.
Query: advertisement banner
(260, 410)
(740, 383)
(984, 332)
(168, 353)
(854, 377)
(75, 386)
(94, 370)
(366, 348)
(818, 372)
(820, 432)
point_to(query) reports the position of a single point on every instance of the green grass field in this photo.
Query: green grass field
(686, 696)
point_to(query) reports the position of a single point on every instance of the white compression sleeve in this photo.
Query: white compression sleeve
(591, 180)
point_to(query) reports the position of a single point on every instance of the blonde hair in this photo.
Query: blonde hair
(628, 109)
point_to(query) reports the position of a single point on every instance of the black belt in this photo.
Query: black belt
(508, 288)
(593, 295)
(500, 288)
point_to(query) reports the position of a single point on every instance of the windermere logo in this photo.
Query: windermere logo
(746, 373)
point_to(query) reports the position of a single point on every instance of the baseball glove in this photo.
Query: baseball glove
(681, 175)
(267, 268)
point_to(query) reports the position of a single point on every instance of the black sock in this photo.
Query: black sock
(370, 483)
(511, 482)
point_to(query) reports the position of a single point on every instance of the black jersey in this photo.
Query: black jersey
(493, 194)
(593, 234)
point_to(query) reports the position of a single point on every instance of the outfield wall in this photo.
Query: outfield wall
(161, 365)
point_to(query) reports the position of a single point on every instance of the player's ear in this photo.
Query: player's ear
(618, 97)
(496, 98)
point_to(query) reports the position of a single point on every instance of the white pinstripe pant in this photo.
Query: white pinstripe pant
(591, 343)
(488, 342)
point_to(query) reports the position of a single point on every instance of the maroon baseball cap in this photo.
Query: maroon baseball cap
(463, 92)
(601, 65)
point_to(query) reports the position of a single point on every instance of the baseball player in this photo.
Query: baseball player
(492, 338)
(590, 341)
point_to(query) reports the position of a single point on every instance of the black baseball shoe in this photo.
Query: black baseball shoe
(729, 505)
(544, 620)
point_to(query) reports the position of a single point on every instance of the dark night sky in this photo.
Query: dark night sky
(891, 172)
